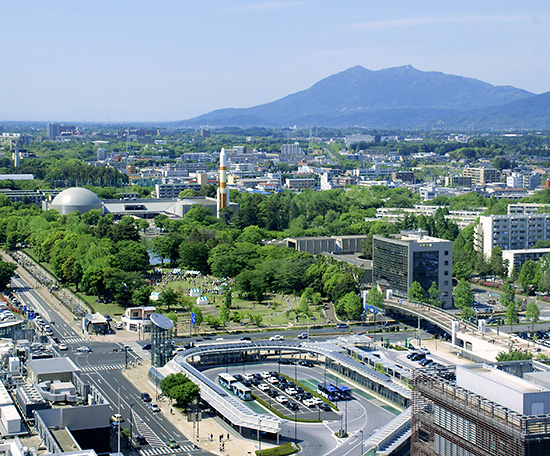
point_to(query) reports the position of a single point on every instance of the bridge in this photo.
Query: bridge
(438, 317)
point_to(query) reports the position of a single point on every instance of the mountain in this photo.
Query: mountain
(400, 97)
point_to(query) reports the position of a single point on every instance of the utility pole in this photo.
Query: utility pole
(131, 421)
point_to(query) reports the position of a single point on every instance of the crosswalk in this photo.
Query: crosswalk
(102, 367)
(74, 340)
(165, 450)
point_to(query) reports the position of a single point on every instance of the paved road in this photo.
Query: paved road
(103, 368)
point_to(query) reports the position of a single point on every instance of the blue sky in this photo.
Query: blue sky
(134, 60)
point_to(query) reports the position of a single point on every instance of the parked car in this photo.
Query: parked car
(146, 347)
(263, 387)
(292, 405)
(118, 326)
(281, 399)
(425, 362)
(324, 407)
(309, 402)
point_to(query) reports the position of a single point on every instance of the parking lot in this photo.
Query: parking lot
(286, 397)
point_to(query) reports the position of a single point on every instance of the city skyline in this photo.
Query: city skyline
(135, 61)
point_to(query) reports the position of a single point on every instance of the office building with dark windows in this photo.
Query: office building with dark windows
(481, 410)
(413, 256)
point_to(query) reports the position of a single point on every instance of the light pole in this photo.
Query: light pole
(361, 431)
(307, 327)
(131, 421)
(260, 438)
(295, 427)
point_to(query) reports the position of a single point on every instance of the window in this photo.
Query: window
(446, 252)
(446, 262)
(446, 273)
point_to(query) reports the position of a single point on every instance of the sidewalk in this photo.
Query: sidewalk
(236, 445)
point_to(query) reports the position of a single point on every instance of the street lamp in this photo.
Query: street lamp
(259, 438)
(361, 431)
(131, 421)
(295, 426)
(307, 327)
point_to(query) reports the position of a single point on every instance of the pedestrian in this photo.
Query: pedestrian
(227, 437)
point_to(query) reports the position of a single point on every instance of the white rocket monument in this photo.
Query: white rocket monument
(223, 194)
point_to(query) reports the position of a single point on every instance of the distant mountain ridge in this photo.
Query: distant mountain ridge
(399, 97)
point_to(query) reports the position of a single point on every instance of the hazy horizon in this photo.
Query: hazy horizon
(135, 61)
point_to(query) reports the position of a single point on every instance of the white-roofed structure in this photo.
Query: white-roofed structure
(74, 199)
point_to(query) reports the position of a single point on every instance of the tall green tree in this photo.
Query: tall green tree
(464, 299)
(351, 303)
(179, 388)
(375, 298)
(498, 268)
(7, 270)
(434, 295)
(527, 275)
(532, 312)
(416, 292)
(169, 298)
(507, 295)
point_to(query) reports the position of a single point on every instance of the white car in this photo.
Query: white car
(277, 337)
(154, 407)
(282, 399)
(273, 380)
(263, 386)
(62, 347)
(309, 402)
(84, 349)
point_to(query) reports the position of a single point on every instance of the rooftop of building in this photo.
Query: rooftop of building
(503, 379)
(414, 236)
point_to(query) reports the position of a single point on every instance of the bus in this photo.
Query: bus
(344, 392)
(227, 380)
(242, 392)
(328, 392)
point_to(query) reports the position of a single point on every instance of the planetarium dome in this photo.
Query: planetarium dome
(76, 199)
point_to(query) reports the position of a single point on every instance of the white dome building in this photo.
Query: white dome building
(75, 199)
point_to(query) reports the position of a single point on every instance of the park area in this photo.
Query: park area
(179, 294)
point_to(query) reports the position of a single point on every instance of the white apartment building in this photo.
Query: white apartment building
(527, 208)
(510, 232)
(516, 258)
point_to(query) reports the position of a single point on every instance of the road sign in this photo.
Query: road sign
(193, 318)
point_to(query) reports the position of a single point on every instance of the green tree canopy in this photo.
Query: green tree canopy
(434, 295)
(7, 270)
(416, 292)
(179, 388)
(351, 303)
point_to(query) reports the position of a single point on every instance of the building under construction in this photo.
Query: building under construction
(501, 409)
